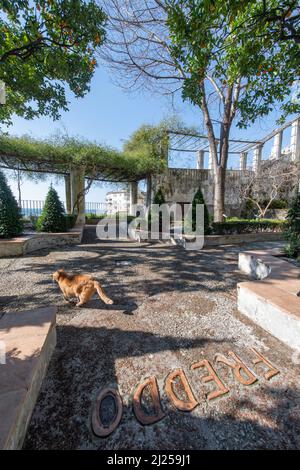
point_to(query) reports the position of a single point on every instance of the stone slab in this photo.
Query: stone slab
(273, 302)
(29, 339)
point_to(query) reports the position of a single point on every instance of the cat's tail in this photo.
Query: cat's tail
(102, 294)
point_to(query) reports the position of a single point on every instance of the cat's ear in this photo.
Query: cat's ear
(61, 270)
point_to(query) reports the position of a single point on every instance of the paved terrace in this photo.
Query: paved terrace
(172, 308)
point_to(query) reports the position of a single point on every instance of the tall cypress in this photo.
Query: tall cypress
(11, 223)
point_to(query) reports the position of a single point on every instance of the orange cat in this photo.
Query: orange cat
(82, 286)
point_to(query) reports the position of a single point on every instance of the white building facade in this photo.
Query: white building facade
(119, 201)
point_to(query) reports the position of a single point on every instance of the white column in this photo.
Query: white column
(276, 151)
(295, 140)
(243, 161)
(133, 192)
(257, 158)
(200, 159)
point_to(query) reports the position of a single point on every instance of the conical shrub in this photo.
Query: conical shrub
(11, 223)
(198, 199)
(52, 218)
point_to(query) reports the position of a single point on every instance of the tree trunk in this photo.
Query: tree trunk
(19, 188)
(219, 193)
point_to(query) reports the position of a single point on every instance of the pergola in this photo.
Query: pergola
(190, 142)
(77, 162)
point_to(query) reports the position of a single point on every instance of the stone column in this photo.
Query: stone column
(77, 187)
(295, 140)
(276, 153)
(243, 161)
(68, 194)
(200, 159)
(257, 158)
(133, 195)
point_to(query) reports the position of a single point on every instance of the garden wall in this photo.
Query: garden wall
(180, 185)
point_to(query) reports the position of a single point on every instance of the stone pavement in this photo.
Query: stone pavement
(173, 308)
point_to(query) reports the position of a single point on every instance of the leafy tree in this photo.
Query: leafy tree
(248, 73)
(45, 44)
(292, 232)
(10, 214)
(52, 218)
(204, 49)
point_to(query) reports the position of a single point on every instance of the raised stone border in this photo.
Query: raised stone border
(29, 338)
(215, 240)
(20, 246)
(272, 303)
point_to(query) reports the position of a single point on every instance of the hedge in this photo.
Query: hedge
(248, 226)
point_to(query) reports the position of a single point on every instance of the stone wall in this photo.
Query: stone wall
(180, 185)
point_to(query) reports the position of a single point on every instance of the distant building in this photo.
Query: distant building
(119, 201)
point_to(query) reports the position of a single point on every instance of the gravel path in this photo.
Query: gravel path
(172, 308)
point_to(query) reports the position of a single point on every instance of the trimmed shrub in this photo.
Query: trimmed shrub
(11, 223)
(236, 225)
(70, 220)
(199, 199)
(292, 231)
(52, 218)
(159, 199)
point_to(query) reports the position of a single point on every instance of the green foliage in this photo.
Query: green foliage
(52, 218)
(60, 152)
(231, 41)
(159, 199)
(92, 215)
(276, 204)
(292, 232)
(149, 142)
(70, 220)
(199, 199)
(43, 46)
(248, 210)
(11, 223)
(236, 225)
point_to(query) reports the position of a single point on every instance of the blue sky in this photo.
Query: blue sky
(109, 115)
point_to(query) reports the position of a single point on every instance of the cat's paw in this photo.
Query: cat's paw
(109, 302)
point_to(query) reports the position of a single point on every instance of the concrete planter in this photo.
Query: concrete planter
(27, 244)
(214, 240)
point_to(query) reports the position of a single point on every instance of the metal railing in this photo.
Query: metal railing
(35, 207)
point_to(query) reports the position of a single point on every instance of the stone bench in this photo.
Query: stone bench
(27, 340)
(272, 302)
